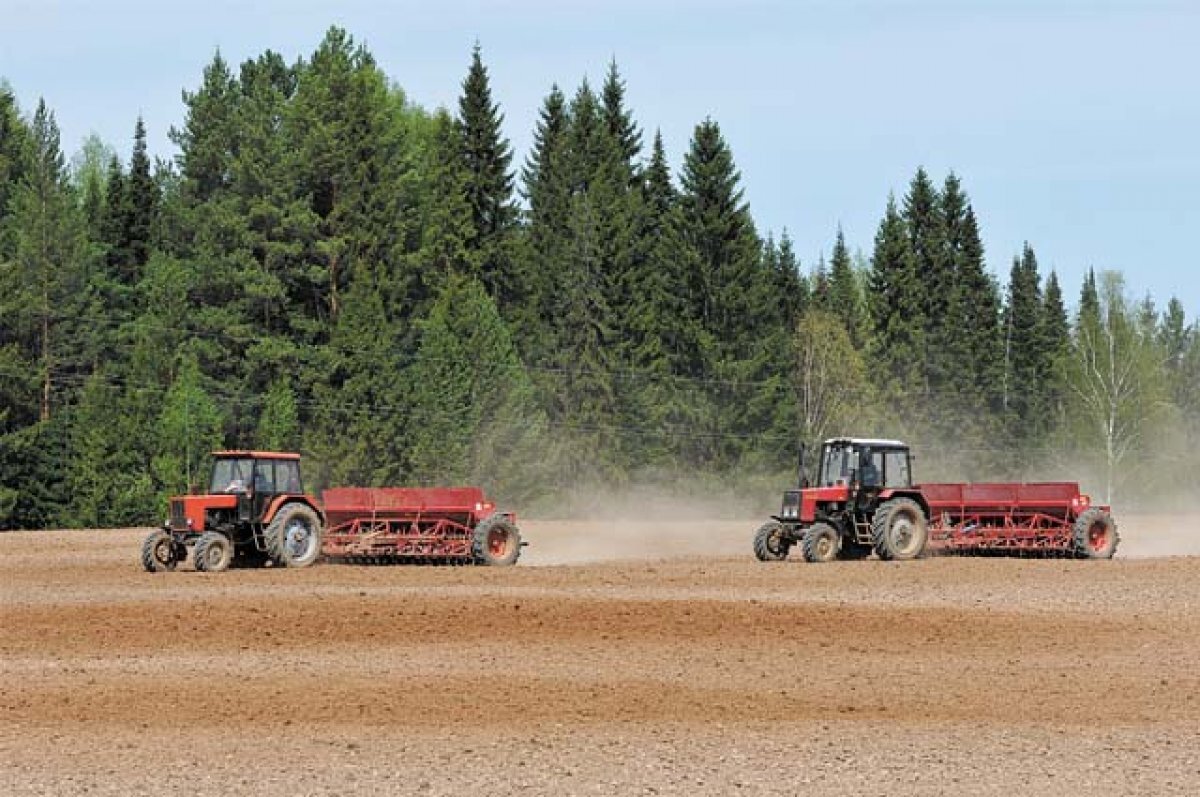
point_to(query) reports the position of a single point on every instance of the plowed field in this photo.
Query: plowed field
(629, 659)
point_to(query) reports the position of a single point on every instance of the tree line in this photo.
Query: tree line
(328, 267)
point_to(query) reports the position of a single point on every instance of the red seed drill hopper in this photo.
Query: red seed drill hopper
(455, 525)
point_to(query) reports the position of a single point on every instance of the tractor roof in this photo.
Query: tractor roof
(874, 442)
(255, 455)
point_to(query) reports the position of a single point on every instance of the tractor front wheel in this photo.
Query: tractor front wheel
(497, 542)
(771, 543)
(1094, 535)
(821, 543)
(160, 552)
(294, 536)
(899, 529)
(214, 552)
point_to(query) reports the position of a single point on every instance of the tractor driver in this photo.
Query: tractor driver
(868, 474)
(237, 482)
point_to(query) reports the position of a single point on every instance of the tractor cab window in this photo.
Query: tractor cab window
(896, 470)
(870, 468)
(264, 476)
(231, 475)
(287, 476)
(836, 463)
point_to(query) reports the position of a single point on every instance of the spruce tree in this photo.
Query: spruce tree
(1056, 342)
(736, 300)
(1026, 364)
(896, 302)
(475, 418)
(547, 190)
(487, 158)
(845, 301)
(619, 121)
(42, 290)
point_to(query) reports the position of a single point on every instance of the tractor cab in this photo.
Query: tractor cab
(256, 478)
(851, 473)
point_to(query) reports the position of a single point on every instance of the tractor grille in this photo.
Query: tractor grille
(178, 518)
(791, 505)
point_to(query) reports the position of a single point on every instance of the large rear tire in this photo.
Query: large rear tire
(160, 552)
(899, 530)
(214, 552)
(1094, 535)
(821, 543)
(293, 536)
(771, 543)
(497, 542)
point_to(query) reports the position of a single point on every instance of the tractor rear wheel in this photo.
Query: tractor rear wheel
(293, 537)
(214, 552)
(497, 542)
(899, 530)
(1094, 535)
(159, 552)
(821, 543)
(771, 543)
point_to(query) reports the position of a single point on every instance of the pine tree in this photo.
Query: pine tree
(547, 190)
(926, 225)
(279, 423)
(737, 305)
(845, 301)
(41, 290)
(619, 122)
(475, 419)
(896, 304)
(487, 157)
(1026, 365)
(188, 428)
(207, 140)
(1056, 342)
(667, 346)
(144, 202)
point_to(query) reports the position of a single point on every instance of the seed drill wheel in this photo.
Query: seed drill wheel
(214, 552)
(821, 543)
(160, 553)
(294, 536)
(1094, 535)
(770, 542)
(497, 542)
(899, 530)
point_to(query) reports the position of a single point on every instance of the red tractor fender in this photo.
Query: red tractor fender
(279, 500)
(888, 493)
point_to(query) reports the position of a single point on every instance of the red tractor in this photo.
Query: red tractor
(864, 501)
(255, 512)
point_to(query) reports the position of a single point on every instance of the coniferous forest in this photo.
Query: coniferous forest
(325, 266)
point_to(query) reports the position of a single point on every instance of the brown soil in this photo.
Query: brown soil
(634, 659)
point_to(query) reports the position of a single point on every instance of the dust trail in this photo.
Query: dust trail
(1146, 536)
(643, 524)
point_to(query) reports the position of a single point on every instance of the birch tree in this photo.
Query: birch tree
(1115, 377)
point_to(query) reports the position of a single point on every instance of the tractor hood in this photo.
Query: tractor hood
(187, 511)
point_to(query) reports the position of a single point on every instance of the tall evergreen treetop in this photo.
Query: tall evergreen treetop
(486, 154)
(207, 139)
(722, 233)
(896, 303)
(619, 120)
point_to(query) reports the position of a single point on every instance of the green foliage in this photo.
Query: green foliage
(327, 267)
(474, 414)
(188, 428)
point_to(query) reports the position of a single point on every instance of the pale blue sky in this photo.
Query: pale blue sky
(1074, 125)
